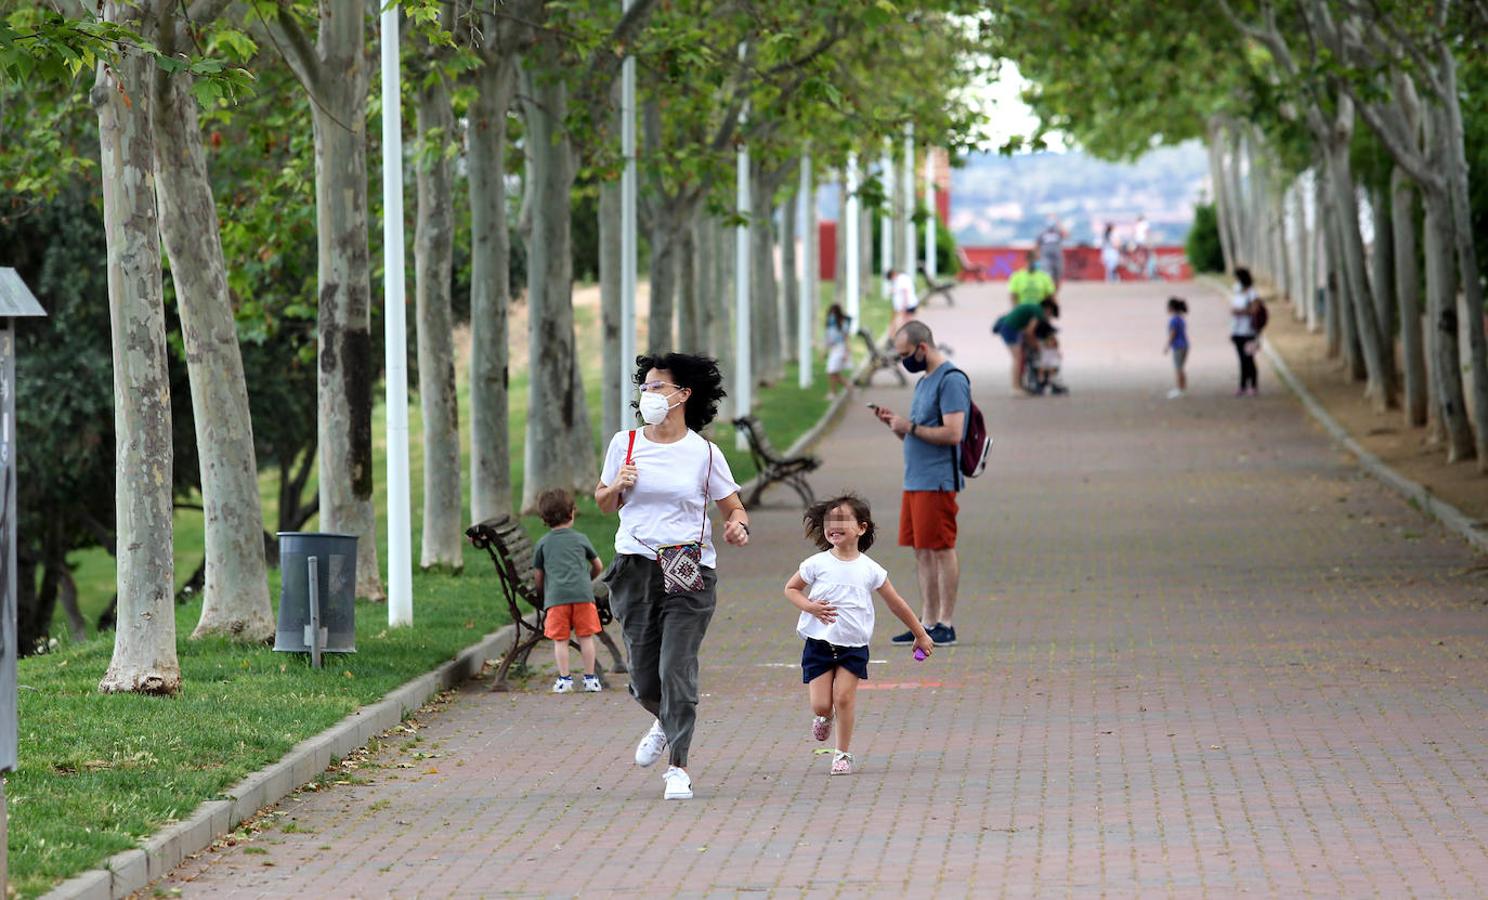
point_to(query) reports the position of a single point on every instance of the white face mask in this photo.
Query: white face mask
(654, 408)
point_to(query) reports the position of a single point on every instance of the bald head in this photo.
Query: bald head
(913, 334)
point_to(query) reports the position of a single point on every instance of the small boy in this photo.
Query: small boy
(1049, 360)
(566, 565)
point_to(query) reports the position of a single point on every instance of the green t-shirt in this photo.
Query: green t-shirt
(1022, 314)
(1031, 287)
(563, 557)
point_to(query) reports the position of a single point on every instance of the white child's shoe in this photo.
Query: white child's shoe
(821, 727)
(649, 750)
(842, 763)
(678, 784)
(1175, 393)
(592, 685)
(564, 685)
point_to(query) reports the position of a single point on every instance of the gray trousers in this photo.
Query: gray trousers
(662, 635)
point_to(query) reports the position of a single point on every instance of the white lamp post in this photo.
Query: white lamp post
(395, 323)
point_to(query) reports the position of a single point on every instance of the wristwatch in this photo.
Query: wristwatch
(913, 426)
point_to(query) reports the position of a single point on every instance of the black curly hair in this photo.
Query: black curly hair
(815, 520)
(698, 374)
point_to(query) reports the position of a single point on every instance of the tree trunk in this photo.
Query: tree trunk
(1332, 280)
(1381, 386)
(77, 626)
(1467, 254)
(1219, 179)
(704, 274)
(557, 419)
(433, 262)
(688, 339)
(723, 307)
(490, 290)
(1408, 295)
(235, 595)
(1441, 318)
(663, 285)
(144, 659)
(612, 387)
(788, 265)
(764, 304)
(1382, 270)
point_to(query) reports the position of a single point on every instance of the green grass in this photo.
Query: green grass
(97, 773)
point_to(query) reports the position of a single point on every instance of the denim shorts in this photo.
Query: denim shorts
(819, 656)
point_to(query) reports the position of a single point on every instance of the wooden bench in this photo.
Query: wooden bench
(879, 359)
(772, 466)
(510, 549)
(973, 271)
(935, 288)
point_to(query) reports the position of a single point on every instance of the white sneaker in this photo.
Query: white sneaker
(1174, 394)
(592, 685)
(678, 785)
(564, 685)
(649, 750)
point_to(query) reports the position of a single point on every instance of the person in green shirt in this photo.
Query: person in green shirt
(1018, 329)
(1031, 284)
(566, 565)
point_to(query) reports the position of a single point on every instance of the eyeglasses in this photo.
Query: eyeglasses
(656, 385)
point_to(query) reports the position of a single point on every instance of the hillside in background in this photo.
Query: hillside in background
(1003, 200)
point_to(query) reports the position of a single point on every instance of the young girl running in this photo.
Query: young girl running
(834, 591)
(1177, 344)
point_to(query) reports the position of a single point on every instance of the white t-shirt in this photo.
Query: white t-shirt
(1240, 323)
(849, 586)
(902, 293)
(667, 504)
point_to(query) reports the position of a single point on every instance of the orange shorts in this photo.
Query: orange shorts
(927, 520)
(580, 618)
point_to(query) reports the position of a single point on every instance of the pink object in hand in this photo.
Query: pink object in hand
(919, 654)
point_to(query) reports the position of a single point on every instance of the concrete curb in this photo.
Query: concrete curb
(133, 870)
(1448, 515)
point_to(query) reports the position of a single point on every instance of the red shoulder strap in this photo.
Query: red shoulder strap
(630, 448)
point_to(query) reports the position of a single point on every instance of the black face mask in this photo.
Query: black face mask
(913, 362)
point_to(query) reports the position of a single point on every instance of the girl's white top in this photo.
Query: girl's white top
(667, 503)
(849, 586)
(1240, 322)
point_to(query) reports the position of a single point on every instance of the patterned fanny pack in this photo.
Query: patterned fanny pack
(681, 564)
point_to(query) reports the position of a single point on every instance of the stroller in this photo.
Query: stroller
(1042, 360)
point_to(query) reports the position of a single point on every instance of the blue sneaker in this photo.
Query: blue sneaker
(905, 638)
(942, 635)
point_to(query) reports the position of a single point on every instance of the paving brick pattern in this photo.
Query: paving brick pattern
(1200, 655)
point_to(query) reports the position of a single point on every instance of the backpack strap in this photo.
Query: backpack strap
(630, 448)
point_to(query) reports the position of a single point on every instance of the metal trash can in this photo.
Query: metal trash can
(333, 559)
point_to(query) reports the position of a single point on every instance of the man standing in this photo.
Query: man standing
(932, 475)
(1051, 250)
(1031, 284)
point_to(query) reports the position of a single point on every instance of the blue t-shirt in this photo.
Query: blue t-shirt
(935, 467)
(1179, 329)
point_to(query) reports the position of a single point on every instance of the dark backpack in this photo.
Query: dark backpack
(1260, 316)
(975, 442)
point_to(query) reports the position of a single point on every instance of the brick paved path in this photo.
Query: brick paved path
(1199, 655)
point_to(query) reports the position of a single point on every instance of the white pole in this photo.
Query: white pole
(908, 185)
(850, 268)
(743, 359)
(395, 319)
(931, 223)
(806, 308)
(886, 221)
(628, 242)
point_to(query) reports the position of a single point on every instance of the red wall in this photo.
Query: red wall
(1080, 263)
